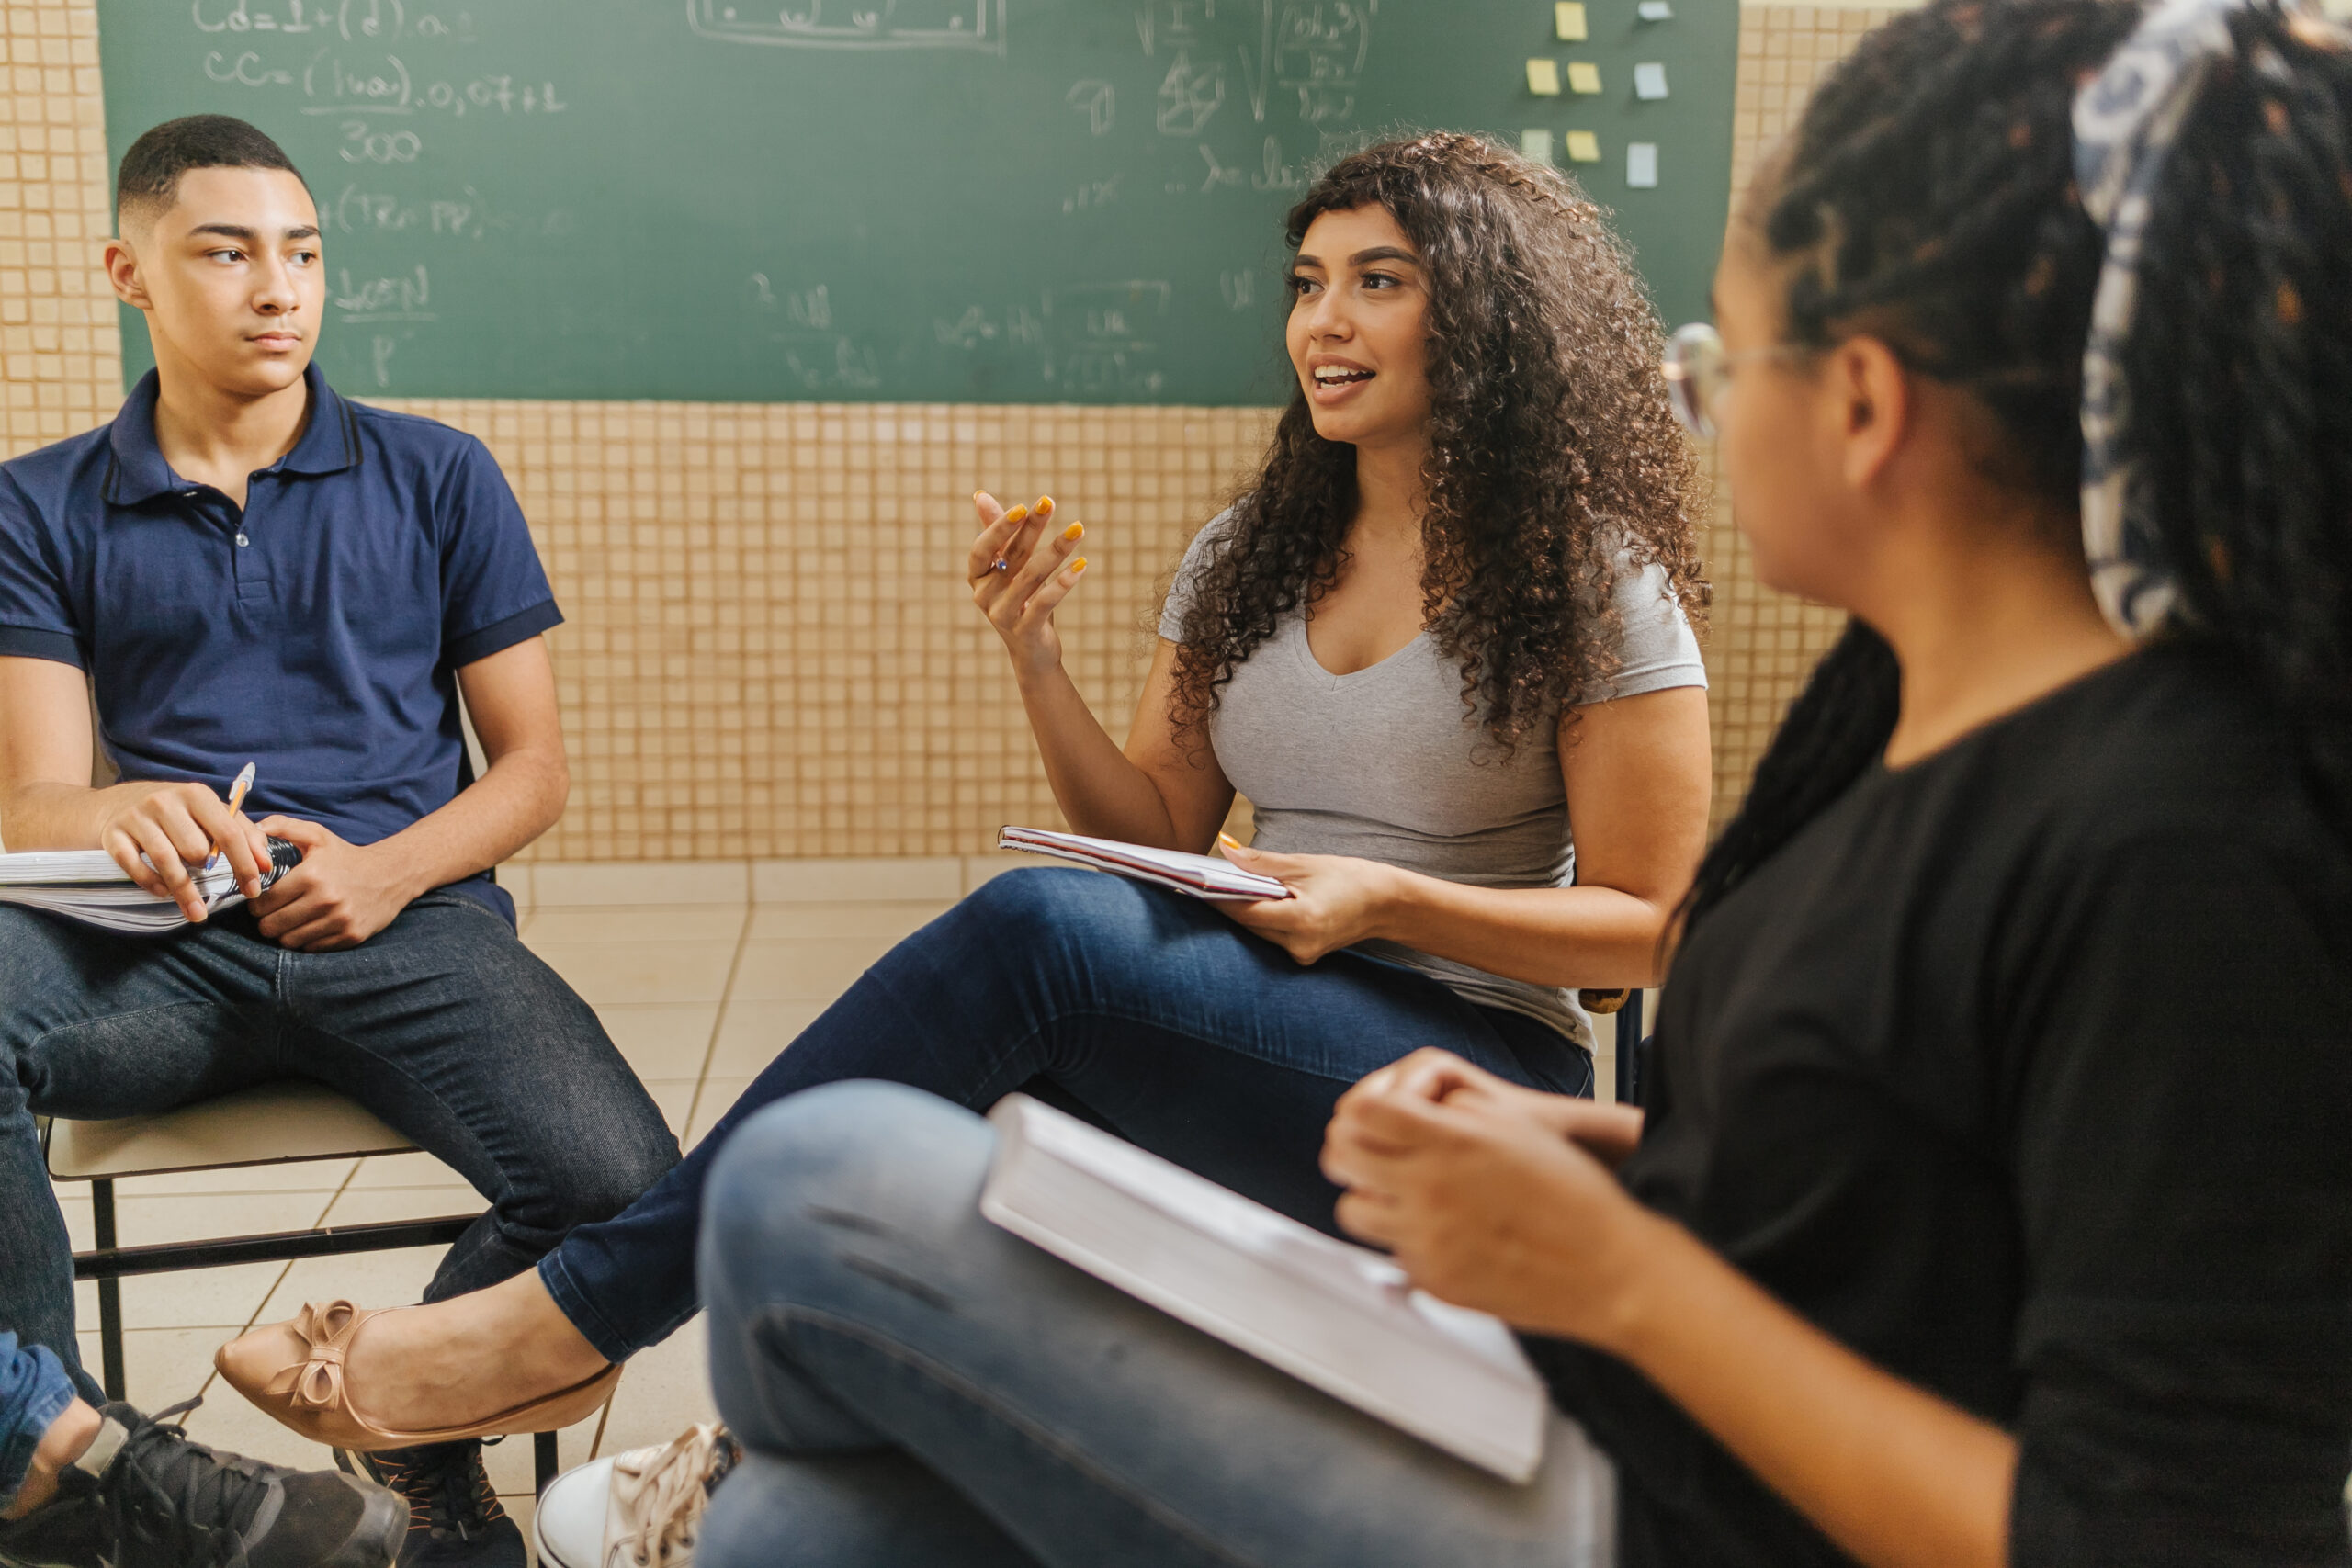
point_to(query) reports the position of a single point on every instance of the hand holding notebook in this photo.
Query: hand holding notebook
(1341, 1318)
(1201, 876)
(87, 886)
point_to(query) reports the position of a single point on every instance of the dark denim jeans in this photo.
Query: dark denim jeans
(913, 1385)
(1146, 1010)
(443, 1024)
(34, 1392)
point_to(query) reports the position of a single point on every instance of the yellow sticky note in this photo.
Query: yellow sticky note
(1567, 20)
(1584, 147)
(1543, 78)
(1584, 76)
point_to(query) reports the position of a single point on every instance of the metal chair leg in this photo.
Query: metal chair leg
(543, 1458)
(110, 1294)
(1633, 1052)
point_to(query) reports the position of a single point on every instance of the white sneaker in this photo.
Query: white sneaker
(638, 1509)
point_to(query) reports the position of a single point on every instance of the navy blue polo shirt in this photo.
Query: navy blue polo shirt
(314, 632)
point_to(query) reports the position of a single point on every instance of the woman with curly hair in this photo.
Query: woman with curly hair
(1446, 621)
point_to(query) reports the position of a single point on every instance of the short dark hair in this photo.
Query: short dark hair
(150, 170)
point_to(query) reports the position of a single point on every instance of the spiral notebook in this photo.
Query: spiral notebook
(1341, 1318)
(1203, 876)
(87, 886)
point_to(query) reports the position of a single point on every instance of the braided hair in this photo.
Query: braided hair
(1928, 198)
(1552, 445)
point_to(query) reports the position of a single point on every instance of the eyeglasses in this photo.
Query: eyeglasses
(1697, 372)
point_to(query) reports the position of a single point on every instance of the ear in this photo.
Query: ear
(122, 272)
(1873, 406)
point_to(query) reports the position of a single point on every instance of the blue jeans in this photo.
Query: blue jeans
(442, 1024)
(34, 1392)
(912, 1384)
(1147, 1011)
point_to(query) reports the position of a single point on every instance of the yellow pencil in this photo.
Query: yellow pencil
(244, 781)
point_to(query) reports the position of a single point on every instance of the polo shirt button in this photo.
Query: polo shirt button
(242, 540)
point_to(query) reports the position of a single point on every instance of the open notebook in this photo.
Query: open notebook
(87, 886)
(1203, 876)
(1338, 1317)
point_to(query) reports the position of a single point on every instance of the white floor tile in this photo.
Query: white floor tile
(639, 922)
(851, 881)
(557, 884)
(419, 1169)
(751, 1034)
(891, 921)
(284, 1175)
(660, 1040)
(665, 1390)
(145, 1220)
(605, 972)
(225, 1298)
(718, 1096)
(370, 1279)
(375, 1205)
(810, 969)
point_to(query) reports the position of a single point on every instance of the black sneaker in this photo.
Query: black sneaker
(454, 1517)
(146, 1497)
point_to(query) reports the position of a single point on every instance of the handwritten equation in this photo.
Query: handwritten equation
(872, 24)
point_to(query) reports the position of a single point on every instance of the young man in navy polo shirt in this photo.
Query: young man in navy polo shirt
(245, 567)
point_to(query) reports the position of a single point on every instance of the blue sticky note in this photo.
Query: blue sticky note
(1535, 146)
(1649, 81)
(1641, 165)
(1655, 11)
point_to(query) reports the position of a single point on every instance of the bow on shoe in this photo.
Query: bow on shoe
(316, 1382)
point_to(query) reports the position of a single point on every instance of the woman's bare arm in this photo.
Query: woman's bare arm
(1156, 791)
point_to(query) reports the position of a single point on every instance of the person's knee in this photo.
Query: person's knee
(861, 1153)
(1085, 915)
(1044, 901)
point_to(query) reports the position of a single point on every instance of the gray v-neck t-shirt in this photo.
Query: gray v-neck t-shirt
(1388, 765)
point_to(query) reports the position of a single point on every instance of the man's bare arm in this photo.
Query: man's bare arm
(342, 893)
(155, 831)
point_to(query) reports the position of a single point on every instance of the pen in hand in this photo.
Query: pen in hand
(236, 798)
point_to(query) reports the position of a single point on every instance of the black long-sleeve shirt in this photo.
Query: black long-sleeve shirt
(2026, 1072)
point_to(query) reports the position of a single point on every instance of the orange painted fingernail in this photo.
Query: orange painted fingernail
(1016, 515)
(1074, 530)
(1077, 566)
(1045, 503)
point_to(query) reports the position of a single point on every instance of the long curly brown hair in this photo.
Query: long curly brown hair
(1551, 443)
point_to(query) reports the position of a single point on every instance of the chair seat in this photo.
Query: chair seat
(270, 1124)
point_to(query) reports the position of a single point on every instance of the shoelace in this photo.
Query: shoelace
(445, 1487)
(175, 1504)
(659, 1494)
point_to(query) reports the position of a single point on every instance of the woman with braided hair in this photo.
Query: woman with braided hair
(1994, 1205)
(1445, 623)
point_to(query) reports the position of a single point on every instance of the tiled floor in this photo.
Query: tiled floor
(700, 974)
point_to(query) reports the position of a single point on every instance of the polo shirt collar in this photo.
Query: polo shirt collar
(329, 443)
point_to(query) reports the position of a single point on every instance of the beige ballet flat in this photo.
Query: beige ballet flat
(294, 1370)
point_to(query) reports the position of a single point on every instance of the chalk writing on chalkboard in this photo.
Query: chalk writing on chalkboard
(351, 20)
(872, 24)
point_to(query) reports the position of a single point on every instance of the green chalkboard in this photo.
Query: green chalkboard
(903, 200)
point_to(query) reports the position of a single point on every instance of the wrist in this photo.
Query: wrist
(1647, 1259)
(1032, 667)
(402, 875)
(1392, 898)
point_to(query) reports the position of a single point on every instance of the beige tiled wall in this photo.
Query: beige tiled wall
(768, 652)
